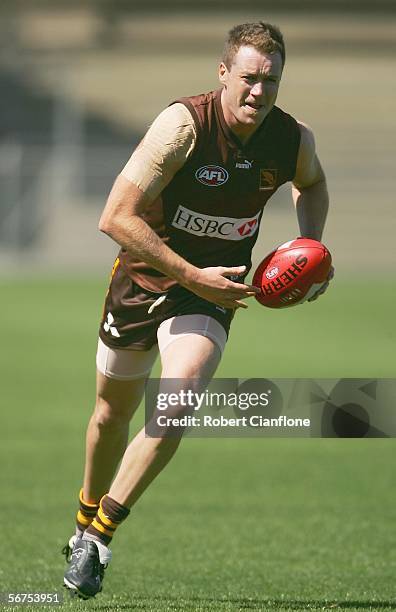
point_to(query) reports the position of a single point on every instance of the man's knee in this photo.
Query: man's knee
(116, 401)
(109, 416)
(175, 406)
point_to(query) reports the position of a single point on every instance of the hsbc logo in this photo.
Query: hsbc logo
(246, 229)
(225, 228)
(212, 176)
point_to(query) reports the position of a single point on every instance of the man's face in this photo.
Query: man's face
(250, 89)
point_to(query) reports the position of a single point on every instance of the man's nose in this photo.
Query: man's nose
(257, 89)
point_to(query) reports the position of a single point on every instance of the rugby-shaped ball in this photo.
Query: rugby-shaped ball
(292, 273)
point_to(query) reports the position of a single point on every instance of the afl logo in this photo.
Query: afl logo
(213, 176)
(272, 272)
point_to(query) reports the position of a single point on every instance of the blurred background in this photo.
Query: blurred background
(304, 522)
(81, 81)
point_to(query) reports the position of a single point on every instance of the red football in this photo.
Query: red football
(292, 273)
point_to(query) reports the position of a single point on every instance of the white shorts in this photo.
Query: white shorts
(127, 364)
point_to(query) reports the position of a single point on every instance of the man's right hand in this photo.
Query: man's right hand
(213, 285)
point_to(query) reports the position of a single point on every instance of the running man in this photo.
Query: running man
(185, 211)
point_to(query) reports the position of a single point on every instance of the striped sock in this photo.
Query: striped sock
(85, 515)
(109, 516)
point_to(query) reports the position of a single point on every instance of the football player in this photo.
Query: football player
(185, 210)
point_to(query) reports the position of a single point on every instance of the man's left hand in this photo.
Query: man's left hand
(323, 287)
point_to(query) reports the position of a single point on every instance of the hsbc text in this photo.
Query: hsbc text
(226, 228)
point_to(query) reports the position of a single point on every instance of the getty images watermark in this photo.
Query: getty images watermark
(189, 400)
(230, 407)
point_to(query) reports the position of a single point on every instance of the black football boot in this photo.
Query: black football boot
(84, 576)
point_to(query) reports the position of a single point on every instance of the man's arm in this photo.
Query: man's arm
(310, 196)
(309, 188)
(122, 221)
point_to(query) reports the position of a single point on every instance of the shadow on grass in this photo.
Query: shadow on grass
(208, 603)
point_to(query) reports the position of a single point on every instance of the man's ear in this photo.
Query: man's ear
(223, 73)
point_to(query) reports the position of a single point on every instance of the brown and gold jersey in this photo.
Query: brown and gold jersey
(209, 189)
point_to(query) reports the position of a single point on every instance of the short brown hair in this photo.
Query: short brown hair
(264, 37)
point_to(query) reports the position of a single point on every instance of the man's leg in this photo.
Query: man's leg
(191, 357)
(107, 433)
(116, 401)
(121, 376)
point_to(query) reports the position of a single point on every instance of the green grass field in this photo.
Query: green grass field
(247, 524)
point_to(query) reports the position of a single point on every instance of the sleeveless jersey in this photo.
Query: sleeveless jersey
(210, 212)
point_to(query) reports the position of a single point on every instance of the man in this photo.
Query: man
(185, 211)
